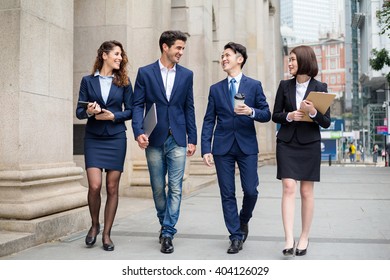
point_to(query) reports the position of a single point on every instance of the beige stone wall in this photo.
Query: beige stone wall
(210, 24)
(254, 24)
(36, 79)
(48, 46)
(37, 174)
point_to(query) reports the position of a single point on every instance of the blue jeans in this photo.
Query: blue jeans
(169, 158)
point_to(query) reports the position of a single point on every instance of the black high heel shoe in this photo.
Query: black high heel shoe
(90, 240)
(108, 246)
(289, 251)
(299, 252)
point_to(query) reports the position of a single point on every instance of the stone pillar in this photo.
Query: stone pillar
(94, 23)
(149, 19)
(266, 41)
(37, 174)
(249, 23)
(196, 18)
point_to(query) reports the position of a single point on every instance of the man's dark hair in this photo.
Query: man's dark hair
(237, 48)
(170, 37)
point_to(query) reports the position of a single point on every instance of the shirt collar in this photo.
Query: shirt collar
(163, 67)
(97, 73)
(303, 85)
(237, 78)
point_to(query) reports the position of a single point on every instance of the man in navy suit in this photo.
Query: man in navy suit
(170, 87)
(232, 131)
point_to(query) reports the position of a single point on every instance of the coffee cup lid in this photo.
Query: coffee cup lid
(239, 96)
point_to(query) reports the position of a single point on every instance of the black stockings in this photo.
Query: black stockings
(94, 200)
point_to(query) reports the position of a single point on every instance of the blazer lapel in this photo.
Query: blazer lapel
(96, 88)
(157, 73)
(112, 92)
(310, 87)
(226, 94)
(292, 93)
(241, 88)
(177, 82)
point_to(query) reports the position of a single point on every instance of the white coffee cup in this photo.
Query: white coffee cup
(239, 98)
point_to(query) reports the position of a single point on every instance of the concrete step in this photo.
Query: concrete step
(12, 242)
(18, 235)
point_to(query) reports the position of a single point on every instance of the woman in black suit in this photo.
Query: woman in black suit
(298, 149)
(108, 94)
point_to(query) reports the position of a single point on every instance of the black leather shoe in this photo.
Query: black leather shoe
(166, 245)
(301, 252)
(289, 251)
(235, 246)
(245, 230)
(108, 246)
(90, 239)
(160, 236)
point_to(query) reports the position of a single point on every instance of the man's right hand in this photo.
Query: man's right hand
(208, 159)
(143, 141)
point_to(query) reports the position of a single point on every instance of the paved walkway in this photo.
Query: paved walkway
(351, 222)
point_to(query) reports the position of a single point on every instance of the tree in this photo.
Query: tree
(379, 60)
(384, 17)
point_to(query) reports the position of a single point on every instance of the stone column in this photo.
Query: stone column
(96, 21)
(248, 22)
(196, 18)
(147, 20)
(37, 174)
(265, 34)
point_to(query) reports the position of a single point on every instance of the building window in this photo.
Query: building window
(333, 64)
(332, 80)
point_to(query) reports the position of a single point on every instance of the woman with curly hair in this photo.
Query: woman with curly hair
(105, 100)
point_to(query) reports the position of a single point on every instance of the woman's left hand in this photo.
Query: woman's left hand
(105, 115)
(308, 107)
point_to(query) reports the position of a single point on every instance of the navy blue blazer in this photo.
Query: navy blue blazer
(177, 114)
(228, 125)
(285, 102)
(118, 102)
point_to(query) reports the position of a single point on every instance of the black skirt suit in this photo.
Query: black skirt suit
(105, 141)
(298, 148)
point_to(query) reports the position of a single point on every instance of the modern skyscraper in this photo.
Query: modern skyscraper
(310, 20)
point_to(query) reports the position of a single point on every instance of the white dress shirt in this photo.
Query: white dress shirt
(300, 92)
(237, 84)
(168, 77)
(105, 84)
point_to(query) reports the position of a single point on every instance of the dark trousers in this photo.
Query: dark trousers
(225, 166)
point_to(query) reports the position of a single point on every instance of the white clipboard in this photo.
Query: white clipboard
(150, 120)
